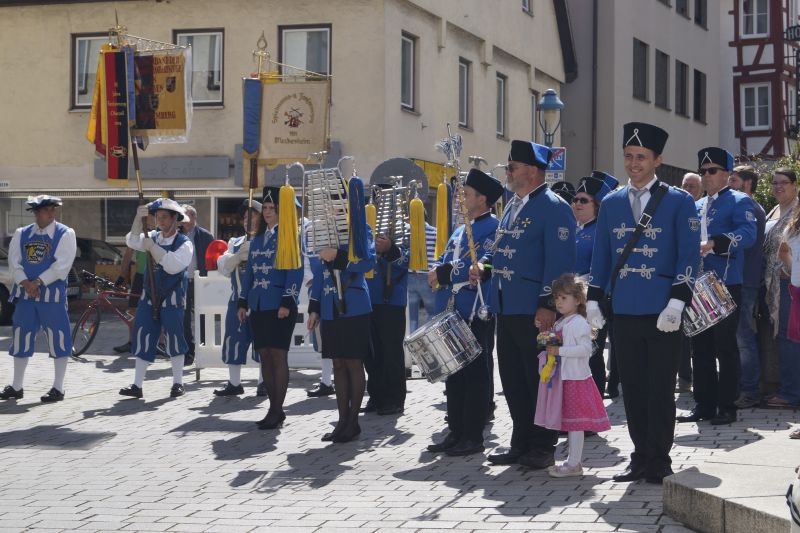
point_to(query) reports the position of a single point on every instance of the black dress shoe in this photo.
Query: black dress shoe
(724, 417)
(391, 410)
(657, 476)
(537, 459)
(320, 389)
(133, 391)
(371, 407)
(53, 395)
(328, 437)
(696, 415)
(10, 393)
(123, 348)
(449, 441)
(508, 458)
(633, 472)
(465, 447)
(230, 390)
(177, 390)
(272, 422)
(346, 435)
(261, 390)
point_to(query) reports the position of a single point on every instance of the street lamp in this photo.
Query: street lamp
(550, 107)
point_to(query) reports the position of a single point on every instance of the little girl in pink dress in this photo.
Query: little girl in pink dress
(568, 398)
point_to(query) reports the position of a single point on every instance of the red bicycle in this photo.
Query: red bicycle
(88, 324)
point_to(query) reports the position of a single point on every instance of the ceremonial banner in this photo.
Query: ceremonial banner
(161, 98)
(294, 120)
(116, 109)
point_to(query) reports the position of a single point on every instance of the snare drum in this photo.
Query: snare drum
(443, 346)
(711, 303)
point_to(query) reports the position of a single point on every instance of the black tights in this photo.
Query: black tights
(350, 383)
(275, 372)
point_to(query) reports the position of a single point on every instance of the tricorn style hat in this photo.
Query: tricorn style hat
(35, 202)
(167, 204)
(644, 135)
(487, 185)
(530, 153)
(564, 189)
(599, 184)
(255, 207)
(716, 156)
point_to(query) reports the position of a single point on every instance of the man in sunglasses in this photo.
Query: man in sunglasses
(727, 229)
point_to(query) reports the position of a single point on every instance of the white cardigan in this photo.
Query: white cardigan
(576, 336)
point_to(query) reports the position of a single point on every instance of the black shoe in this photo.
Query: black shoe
(10, 393)
(53, 395)
(391, 410)
(230, 390)
(657, 476)
(696, 415)
(188, 359)
(449, 441)
(508, 458)
(724, 417)
(346, 435)
(133, 391)
(328, 437)
(123, 348)
(465, 447)
(371, 407)
(633, 472)
(272, 422)
(320, 389)
(177, 390)
(261, 390)
(537, 459)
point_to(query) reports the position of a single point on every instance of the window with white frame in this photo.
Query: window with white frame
(464, 95)
(85, 54)
(755, 105)
(207, 56)
(793, 11)
(755, 15)
(305, 47)
(407, 71)
(791, 102)
(501, 105)
(526, 7)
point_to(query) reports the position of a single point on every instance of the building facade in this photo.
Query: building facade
(402, 69)
(655, 61)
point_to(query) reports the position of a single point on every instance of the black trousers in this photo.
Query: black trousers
(519, 373)
(714, 390)
(685, 370)
(596, 362)
(613, 370)
(648, 362)
(386, 367)
(490, 359)
(468, 389)
(188, 317)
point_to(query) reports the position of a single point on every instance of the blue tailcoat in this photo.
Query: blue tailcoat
(263, 286)
(584, 244)
(398, 258)
(732, 227)
(537, 248)
(238, 337)
(456, 270)
(663, 263)
(324, 292)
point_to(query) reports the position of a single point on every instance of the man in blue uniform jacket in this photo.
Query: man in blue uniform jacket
(727, 228)
(649, 293)
(468, 389)
(534, 246)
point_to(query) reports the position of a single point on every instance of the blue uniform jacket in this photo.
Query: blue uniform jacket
(324, 293)
(537, 248)
(37, 253)
(398, 291)
(584, 244)
(264, 287)
(732, 227)
(170, 288)
(456, 270)
(661, 266)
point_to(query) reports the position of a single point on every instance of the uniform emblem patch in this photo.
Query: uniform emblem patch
(750, 216)
(36, 251)
(694, 224)
(563, 234)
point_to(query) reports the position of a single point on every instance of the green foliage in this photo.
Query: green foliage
(764, 168)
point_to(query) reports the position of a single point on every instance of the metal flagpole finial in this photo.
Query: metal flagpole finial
(117, 32)
(261, 56)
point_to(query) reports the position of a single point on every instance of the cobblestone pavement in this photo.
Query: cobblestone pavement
(99, 462)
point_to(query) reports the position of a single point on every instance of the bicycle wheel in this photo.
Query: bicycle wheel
(85, 330)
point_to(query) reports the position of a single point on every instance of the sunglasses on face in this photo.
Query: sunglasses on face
(711, 171)
(512, 168)
(580, 200)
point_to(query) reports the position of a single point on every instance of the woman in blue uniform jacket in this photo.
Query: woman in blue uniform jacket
(345, 327)
(270, 296)
(585, 205)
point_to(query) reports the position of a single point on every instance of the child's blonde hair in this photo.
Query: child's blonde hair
(573, 285)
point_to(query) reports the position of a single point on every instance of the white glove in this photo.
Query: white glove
(243, 252)
(670, 318)
(155, 250)
(594, 315)
(141, 212)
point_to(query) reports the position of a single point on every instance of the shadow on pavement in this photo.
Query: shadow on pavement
(127, 406)
(53, 438)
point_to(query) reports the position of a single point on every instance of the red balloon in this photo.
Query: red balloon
(213, 252)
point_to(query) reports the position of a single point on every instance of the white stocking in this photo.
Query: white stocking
(141, 369)
(235, 373)
(177, 368)
(575, 440)
(327, 371)
(61, 370)
(20, 364)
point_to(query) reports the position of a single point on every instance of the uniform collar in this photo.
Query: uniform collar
(649, 185)
(487, 214)
(587, 224)
(720, 192)
(537, 190)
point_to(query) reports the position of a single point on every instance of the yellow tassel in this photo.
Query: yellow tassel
(442, 224)
(418, 257)
(372, 218)
(288, 256)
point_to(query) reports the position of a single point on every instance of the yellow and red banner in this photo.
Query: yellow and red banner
(161, 94)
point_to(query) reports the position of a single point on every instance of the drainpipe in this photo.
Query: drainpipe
(594, 83)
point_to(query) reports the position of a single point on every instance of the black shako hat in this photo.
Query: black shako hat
(716, 156)
(530, 153)
(644, 135)
(487, 185)
(598, 185)
(564, 189)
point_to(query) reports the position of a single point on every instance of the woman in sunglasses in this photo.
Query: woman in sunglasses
(585, 204)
